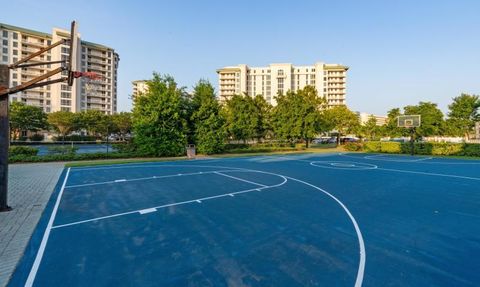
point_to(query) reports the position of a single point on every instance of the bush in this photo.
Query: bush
(22, 150)
(68, 157)
(37, 137)
(390, 147)
(125, 147)
(471, 150)
(63, 149)
(372, 146)
(350, 146)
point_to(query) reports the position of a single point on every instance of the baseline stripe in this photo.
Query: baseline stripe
(43, 244)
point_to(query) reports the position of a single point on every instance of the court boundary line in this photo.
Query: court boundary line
(362, 262)
(378, 158)
(46, 234)
(144, 178)
(177, 203)
(429, 173)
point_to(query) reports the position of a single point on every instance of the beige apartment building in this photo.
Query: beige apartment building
(328, 79)
(16, 43)
(139, 87)
(364, 117)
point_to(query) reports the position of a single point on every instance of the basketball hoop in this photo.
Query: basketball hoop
(92, 82)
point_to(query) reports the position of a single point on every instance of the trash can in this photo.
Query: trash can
(191, 151)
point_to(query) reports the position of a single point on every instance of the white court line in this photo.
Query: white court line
(429, 173)
(145, 178)
(361, 266)
(241, 179)
(361, 243)
(385, 158)
(198, 200)
(43, 244)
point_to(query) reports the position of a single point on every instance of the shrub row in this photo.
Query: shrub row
(22, 150)
(422, 148)
(67, 157)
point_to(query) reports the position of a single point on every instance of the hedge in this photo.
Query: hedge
(421, 148)
(353, 146)
(22, 150)
(68, 157)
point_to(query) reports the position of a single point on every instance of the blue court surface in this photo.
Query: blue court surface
(298, 220)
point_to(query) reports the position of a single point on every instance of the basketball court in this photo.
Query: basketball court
(300, 220)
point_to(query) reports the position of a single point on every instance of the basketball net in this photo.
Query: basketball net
(92, 82)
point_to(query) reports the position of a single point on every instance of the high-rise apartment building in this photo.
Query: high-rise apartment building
(17, 43)
(365, 117)
(328, 79)
(139, 87)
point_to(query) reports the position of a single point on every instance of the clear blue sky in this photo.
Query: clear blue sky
(399, 52)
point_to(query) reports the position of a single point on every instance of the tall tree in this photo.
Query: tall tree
(92, 121)
(242, 118)
(342, 120)
(370, 129)
(63, 122)
(431, 119)
(26, 118)
(159, 120)
(391, 127)
(297, 115)
(464, 112)
(264, 110)
(122, 124)
(209, 124)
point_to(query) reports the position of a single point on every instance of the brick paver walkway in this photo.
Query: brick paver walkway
(30, 187)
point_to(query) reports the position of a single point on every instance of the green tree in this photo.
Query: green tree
(209, 124)
(464, 112)
(122, 124)
(242, 119)
(159, 120)
(26, 118)
(370, 129)
(431, 119)
(263, 114)
(63, 122)
(342, 120)
(391, 127)
(297, 115)
(92, 121)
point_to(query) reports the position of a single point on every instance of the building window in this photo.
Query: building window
(5, 50)
(65, 109)
(65, 102)
(5, 34)
(5, 58)
(15, 44)
(15, 35)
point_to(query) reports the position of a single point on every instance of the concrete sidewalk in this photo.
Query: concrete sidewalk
(30, 187)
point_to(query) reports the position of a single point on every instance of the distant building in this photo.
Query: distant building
(328, 79)
(17, 43)
(364, 117)
(139, 87)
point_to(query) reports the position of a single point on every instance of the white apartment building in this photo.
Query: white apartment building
(328, 79)
(364, 117)
(16, 43)
(139, 87)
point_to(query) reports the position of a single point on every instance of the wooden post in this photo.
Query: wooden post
(4, 138)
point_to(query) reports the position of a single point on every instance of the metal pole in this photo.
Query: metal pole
(4, 139)
(4, 143)
(412, 141)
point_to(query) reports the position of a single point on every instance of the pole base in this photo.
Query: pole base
(5, 208)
